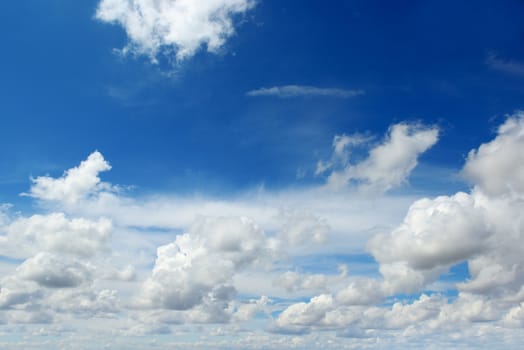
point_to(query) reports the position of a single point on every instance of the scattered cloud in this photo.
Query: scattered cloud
(288, 91)
(154, 265)
(178, 27)
(76, 182)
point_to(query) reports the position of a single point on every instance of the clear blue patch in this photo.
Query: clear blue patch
(358, 264)
(9, 260)
(457, 273)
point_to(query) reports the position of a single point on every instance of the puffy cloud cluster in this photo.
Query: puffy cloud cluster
(484, 228)
(59, 254)
(388, 164)
(182, 26)
(69, 260)
(195, 271)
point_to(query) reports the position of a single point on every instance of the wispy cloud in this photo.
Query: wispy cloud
(287, 91)
(505, 65)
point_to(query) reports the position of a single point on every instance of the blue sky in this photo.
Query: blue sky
(311, 161)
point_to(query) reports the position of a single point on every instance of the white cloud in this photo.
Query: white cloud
(288, 91)
(180, 26)
(56, 233)
(363, 291)
(52, 271)
(388, 164)
(300, 315)
(497, 167)
(435, 235)
(205, 267)
(484, 228)
(75, 184)
(195, 271)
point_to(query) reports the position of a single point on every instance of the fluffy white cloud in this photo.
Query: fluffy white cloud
(485, 228)
(56, 233)
(497, 167)
(75, 184)
(182, 26)
(204, 275)
(387, 166)
(301, 315)
(435, 235)
(195, 271)
(288, 91)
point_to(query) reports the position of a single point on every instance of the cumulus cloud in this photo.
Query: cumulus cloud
(195, 274)
(484, 228)
(75, 184)
(300, 315)
(195, 271)
(388, 164)
(288, 91)
(497, 167)
(56, 233)
(180, 26)
(52, 271)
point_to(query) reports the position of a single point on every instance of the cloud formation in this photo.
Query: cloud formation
(150, 273)
(288, 91)
(181, 27)
(388, 164)
(194, 273)
(482, 228)
(75, 184)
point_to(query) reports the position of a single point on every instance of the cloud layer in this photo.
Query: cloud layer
(155, 266)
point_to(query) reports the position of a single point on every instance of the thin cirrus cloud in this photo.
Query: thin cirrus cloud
(288, 91)
(181, 27)
(508, 66)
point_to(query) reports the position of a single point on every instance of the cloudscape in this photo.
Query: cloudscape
(257, 174)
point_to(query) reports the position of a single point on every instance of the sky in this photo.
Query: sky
(257, 174)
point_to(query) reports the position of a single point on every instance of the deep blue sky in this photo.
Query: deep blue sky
(65, 93)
